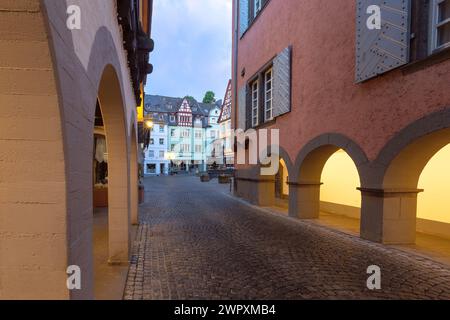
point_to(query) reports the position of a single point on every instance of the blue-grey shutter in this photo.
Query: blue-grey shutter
(381, 50)
(282, 83)
(243, 16)
(242, 108)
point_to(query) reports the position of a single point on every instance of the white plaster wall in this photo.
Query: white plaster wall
(94, 15)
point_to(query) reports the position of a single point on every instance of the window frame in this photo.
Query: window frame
(255, 102)
(266, 100)
(435, 25)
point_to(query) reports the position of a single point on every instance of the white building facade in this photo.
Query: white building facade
(190, 129)
(156, 157)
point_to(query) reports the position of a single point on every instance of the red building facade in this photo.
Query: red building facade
(390, 122)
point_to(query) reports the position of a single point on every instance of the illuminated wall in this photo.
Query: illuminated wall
(285, 188)
(340, 179)
(434, 203)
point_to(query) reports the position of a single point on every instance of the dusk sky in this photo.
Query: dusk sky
(192, 48)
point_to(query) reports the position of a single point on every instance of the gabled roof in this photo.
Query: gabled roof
(155, 106)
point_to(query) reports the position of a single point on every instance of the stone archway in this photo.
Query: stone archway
(304, 191)
(391, 199)
(111, 105)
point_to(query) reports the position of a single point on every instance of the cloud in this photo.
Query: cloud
(192, 47)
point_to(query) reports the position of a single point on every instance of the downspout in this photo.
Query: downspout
(235, 77)
(235, 55)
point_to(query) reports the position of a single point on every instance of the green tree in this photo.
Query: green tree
(210, 97)
(189, 97)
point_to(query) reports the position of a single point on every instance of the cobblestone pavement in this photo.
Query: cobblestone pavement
(196, 242)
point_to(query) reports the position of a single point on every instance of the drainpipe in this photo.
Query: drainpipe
(235, 75)
(235, 55)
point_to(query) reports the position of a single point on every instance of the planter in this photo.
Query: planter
(205, 178)
(224, 179)
(141, 194)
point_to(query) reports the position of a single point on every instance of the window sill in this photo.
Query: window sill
(265, 124)
(435, 58)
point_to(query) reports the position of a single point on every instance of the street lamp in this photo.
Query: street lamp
(149, 124)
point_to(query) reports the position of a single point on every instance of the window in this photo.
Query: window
(172, 118)
(198, 134)
(257, 6)
(161, 154)
(161, 129)
(185, 148)
(172, 132)
(268, 110)
(152, 141)
(172, 147)
(151, 168)
(185, 134)
(255, 103)
(161, 141)
(198, 148)
(212, 134)
(151, 153)
(441, 24)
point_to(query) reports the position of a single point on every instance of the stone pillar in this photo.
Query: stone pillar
(157, 169)
(266, 192)
(389, 215)
(304, 200)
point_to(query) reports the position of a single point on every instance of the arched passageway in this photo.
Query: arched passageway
(340, 201)
(281, 192)
(111, 188)
(328, 171)
(399, 203)
(433, 205)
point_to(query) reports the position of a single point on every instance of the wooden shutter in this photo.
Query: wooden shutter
(243, 16)
(242, 109)
(381, 50)
(282, 83)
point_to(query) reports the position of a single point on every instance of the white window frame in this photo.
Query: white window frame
(257, 5)
(162, 154)
(255, 103)
(151, 153)
(436, 24)
(268, 95)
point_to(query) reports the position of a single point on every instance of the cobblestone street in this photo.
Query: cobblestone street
(196, 242)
